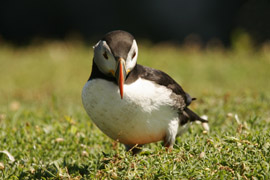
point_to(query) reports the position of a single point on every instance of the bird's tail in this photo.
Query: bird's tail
(192, 116)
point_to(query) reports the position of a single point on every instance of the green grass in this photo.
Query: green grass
(44, 126)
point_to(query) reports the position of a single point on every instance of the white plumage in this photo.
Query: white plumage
(144, 115)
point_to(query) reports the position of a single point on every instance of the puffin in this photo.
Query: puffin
(131, 103)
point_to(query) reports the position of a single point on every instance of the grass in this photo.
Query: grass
(45, 128)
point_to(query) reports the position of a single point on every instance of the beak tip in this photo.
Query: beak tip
(121, 94)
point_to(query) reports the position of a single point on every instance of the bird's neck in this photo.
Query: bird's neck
(96, 73)
(133, 75)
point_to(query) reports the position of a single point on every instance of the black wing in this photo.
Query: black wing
(160, 78)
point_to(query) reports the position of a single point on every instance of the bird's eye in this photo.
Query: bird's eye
(105, 55)
(134, 54)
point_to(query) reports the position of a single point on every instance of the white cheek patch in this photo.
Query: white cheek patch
(104, 65)
(131, 62)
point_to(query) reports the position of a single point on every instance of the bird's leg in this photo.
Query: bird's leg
(135, 149)
(171, 133)
(169, 142)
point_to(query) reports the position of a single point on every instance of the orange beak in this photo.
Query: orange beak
(120, 75)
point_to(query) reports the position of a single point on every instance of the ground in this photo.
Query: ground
(45, 128)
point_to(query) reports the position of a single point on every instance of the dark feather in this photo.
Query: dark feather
(119, 42)
(189, 99)
(192, 116)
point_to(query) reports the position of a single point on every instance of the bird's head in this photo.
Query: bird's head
(116, 55)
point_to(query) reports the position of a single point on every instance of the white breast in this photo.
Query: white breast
(142, 116)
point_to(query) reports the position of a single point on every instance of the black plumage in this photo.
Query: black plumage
(119, 42)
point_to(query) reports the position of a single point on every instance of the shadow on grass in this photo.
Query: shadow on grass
(66, 168)
(53, 172)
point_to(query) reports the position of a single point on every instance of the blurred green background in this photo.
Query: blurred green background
(219, 54)
(60, 68)
(44, 126)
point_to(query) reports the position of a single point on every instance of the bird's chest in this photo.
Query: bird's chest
(142, 116)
